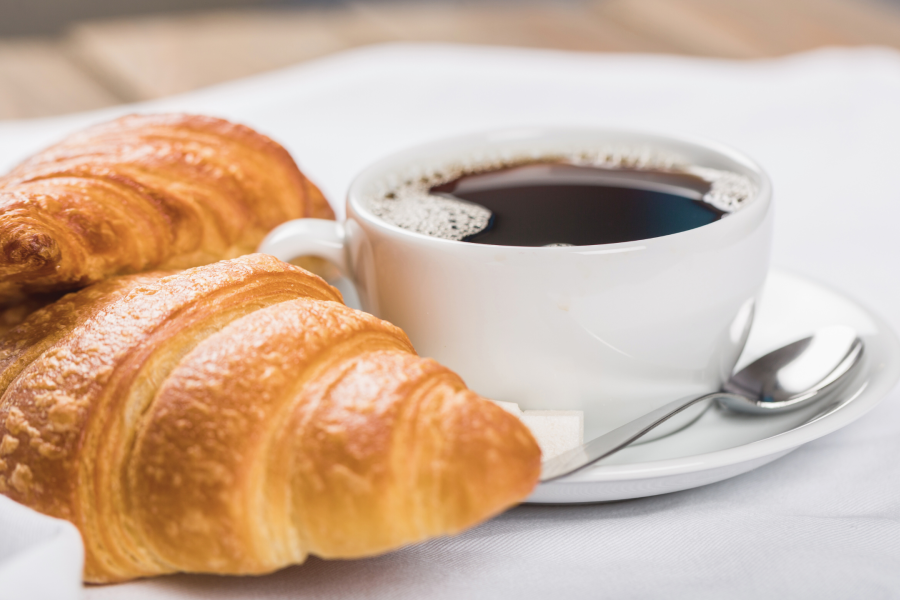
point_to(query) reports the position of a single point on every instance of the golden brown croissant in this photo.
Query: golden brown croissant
(144, 192)
(236, 417)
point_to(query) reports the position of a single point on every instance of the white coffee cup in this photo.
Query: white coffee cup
(615, 330)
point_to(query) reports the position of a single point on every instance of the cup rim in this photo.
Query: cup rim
(494, 137)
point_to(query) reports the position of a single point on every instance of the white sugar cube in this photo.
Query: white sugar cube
(511, 407)
(555, 430)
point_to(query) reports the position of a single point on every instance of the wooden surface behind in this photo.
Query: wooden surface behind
(101, 63)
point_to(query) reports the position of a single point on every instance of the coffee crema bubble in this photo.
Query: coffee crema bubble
(575, 199)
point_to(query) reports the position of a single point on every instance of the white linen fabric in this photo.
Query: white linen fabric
(823, 522)
(40, 557)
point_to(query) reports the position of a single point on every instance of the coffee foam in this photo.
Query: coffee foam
(436, 216)
(404, 200)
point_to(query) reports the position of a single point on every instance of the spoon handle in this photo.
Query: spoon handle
(613, 441)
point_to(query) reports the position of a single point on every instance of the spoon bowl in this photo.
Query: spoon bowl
(795, 375)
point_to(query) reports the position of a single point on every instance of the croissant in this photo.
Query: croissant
(237, 417)
(144, 192)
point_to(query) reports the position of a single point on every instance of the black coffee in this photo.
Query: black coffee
(562, 204)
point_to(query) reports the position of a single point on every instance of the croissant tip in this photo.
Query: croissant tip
(32, 249)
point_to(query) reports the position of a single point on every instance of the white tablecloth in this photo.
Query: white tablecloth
(823, 522)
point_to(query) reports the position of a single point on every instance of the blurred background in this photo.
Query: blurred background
(60, 56)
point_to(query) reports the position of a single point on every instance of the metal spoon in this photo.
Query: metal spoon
(795, 375)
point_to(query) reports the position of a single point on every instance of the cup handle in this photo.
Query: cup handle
(308, 237)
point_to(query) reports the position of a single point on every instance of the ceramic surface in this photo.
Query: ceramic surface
(614, 330)
(720, 445)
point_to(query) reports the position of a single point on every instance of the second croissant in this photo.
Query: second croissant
(144, 192)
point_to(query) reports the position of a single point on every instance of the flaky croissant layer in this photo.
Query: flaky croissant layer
(144, 192)
(237, 417)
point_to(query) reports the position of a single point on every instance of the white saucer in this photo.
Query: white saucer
(720, 445)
